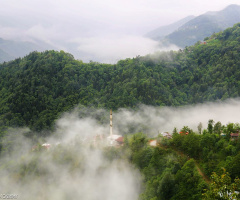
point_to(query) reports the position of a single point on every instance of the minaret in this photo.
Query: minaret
(111, 124)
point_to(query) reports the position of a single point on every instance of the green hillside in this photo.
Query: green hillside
(36, 89)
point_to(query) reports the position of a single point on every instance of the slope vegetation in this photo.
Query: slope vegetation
(35, 89)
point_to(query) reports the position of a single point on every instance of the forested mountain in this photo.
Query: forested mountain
(163, 31)
(202, 26)
(35, 89)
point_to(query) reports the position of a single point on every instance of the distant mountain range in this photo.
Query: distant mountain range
(184, 32)
(188, 31)
(10, 49)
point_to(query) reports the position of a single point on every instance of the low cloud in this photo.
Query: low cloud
(73, 169)
(149, 119)
(106, 31)
(111, 49)
(155, 120)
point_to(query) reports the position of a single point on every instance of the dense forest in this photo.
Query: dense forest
(36, 89)
(189, 166)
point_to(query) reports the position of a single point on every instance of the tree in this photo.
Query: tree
(222, 188)
(191, 145)
(210, 126)
(175, 131)
(186, 129)
(166, 186)
(138, 141)
(217, 128)
(200, 128)
(189, 182)
(233, 166)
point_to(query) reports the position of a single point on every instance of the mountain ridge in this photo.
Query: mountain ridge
(202, 26)
(162, 31)
(11, 49)
(36, 89)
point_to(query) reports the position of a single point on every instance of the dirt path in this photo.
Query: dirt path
(205, 178)
(201, 173)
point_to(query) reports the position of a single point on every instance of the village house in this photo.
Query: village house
(234, 136)
(153, 143)
(183, 133)
(223, 135)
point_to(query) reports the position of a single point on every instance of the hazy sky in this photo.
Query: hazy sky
(97, 28)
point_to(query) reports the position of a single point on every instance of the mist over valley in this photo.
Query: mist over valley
(94, 105)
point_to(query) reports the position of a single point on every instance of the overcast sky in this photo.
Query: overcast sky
(99, 29)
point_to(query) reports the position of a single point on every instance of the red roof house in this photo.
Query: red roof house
(234, 136)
